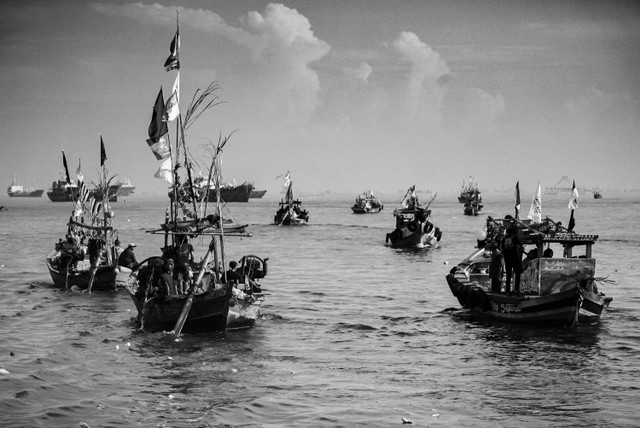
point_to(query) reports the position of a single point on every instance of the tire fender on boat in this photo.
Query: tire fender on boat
(412, 226)
(438, 234)
(428, 227)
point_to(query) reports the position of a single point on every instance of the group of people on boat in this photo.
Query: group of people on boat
(77, 245)
(506, 251)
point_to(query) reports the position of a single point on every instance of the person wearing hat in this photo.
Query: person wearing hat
(128, 259)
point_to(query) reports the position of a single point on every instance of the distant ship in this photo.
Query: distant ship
(229, 192)
(61, 191)
(17, 190)
(126, 188)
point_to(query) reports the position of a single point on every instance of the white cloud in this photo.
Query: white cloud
(361, 73)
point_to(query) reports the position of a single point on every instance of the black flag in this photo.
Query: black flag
(103, 154)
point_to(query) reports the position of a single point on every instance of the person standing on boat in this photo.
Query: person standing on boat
(232, 274)
(512, 254)
(184, 258)
(127, 259)
(166, 285)
(495, 268)
(117, 249)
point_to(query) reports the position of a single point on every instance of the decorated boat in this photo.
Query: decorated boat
(469, 192)
(16, 190)
(413, 227)
(597, 194)
(86, 258)
(367, 203)
(290, 211)
(173, 291)
(557, 280)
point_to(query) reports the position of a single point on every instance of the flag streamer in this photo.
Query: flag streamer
(535, 212)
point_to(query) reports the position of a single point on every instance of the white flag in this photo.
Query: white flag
(173, 103)
(535, 212)
(165, 172)
(573, 202)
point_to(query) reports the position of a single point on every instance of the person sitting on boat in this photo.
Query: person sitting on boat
(184, 258)
(232, 274)
(512, 254)
(166, 286)
(548, 253)
(127, 260)
(531, 256)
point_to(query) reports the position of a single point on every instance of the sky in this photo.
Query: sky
(346, 95)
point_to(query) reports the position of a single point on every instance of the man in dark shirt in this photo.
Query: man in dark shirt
(128, 259)
(512, 253)
(184, 258)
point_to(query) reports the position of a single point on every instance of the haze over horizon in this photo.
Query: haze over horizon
(363, 94)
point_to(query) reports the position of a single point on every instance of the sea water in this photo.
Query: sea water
(352, 332)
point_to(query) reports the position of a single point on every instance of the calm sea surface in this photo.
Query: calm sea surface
(353, 333)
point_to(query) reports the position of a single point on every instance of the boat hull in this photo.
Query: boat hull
(365, 210)
(104, 280)
(26, 194)
(257, 194)
(209, 310)
(243, 313)
(556, 309)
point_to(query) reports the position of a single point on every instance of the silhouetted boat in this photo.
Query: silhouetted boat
(413, 228)
(367, 203)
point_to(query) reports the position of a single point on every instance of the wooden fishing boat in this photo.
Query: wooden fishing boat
(172, 292)
(86, 258)
(247, 294)
(553, 290)
(290, 211)
(469, 192)
(367, 203)
(413, 228)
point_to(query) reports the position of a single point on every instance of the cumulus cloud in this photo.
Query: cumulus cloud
(428, 72)
(279, 40)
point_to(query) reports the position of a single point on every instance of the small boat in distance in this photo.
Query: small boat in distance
(472, 207)
(469, 192)
(290, 213)
(17, 190)
(367, 203)
(597, 194)
(413, 228)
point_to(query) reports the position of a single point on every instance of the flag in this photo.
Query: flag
(158, 126)
(173, 61)
(66, 168)
(535, 212)
(173, 103)
(160, 149)
(573, 204)
(165, 172)
(79, 173)
(103, 153)
(83, 192)
(517, 199)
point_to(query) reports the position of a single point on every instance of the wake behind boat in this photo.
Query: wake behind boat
(413, 228)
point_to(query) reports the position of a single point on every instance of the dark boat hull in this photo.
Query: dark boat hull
(104, 280)
(558, 309)
(209, 310)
